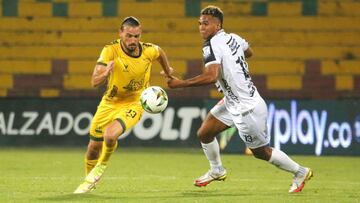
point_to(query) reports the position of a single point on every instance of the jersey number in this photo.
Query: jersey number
(241, 61)
(244, 67)
(131, 113)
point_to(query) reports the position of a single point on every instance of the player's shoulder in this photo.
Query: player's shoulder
(218, 40)
(236, 36)
(148, 47)
(221, 36)
(112, 44)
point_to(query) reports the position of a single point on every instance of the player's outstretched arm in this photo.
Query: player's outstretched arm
(101, 73)
(209, 76)
(164, 62)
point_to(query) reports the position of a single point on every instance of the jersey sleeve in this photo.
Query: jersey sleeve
(151, 50)
(155, 52)
(106, 55)
(212, 53)
(243, 43)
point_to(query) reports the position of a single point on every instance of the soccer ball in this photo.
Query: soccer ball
(154, 99)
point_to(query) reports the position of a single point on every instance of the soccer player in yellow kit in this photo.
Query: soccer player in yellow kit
(126, 65)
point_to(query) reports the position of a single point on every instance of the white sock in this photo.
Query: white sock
(283, 161)
(212, 152)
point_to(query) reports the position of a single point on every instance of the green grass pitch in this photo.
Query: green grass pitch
(167, 175)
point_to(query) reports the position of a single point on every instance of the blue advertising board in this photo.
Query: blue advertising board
(310, 127)
(296, 127)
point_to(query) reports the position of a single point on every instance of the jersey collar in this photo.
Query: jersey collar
(140, 50)
(218, 32)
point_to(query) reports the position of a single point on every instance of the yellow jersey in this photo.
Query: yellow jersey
(130, 75)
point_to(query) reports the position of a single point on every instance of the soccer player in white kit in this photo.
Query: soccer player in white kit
(242, 106)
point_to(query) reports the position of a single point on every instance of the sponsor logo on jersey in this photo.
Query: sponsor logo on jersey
(230, 94)
(134, 85)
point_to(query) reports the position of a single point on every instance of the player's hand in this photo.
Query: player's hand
(174, 82)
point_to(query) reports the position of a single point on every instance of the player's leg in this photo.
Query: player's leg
(101, 120)
(257, 139)
(215, 122)
(91, 159)
(277, 158)
(207, 133)
(92, 155)
(281, 160)
(126, 116)
(112, 132)
(98, 124)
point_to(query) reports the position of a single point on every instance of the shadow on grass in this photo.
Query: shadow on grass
(74, 197)
(141, 196)
(185, 196)
(204, 193)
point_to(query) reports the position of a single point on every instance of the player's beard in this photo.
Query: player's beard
(131, 48)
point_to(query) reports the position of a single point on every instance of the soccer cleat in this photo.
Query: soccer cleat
(299, 180)
(84, 188)
(91, 179)
(210, 176)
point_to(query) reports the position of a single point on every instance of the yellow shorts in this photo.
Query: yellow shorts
(127, 114)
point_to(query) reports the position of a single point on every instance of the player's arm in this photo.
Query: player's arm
(209, 76)
(164, 62)
(101, 73)
(248, 52)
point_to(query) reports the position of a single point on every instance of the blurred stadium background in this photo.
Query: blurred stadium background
(306, 65)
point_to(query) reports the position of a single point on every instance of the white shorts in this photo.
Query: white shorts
(251, 124)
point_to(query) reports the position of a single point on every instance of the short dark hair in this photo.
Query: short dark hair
(130, 21)
(214, 11)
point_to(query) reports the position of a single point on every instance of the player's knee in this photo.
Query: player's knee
(110, 137)
(262, 153)
(201, 133)
(204, 136)
(259, 155)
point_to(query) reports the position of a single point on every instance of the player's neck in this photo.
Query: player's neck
(213, 34)
(136, 53)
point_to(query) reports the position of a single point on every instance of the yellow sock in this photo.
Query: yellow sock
(106, 153)
(89, 164)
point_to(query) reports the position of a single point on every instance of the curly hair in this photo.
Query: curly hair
(214, 11)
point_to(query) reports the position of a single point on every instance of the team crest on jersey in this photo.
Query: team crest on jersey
(206, 51)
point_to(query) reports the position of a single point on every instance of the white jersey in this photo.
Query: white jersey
(234, 80)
